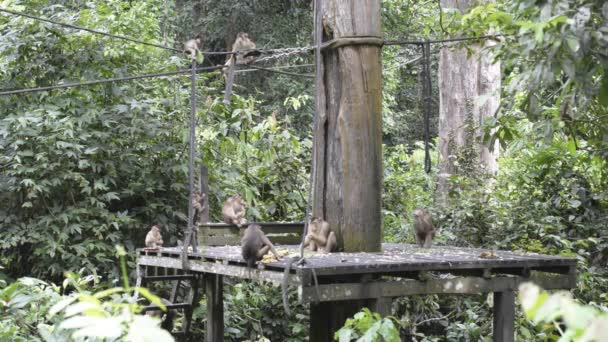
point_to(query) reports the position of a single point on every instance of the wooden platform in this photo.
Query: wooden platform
(396, 260)
(374, 278)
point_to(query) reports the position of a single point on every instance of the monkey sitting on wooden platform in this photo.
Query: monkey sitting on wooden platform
(255, 244)
(234, 211)
(320, 237)
(423, 228)
(153, 239)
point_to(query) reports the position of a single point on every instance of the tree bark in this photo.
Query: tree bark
(348, 136)
(469, 93)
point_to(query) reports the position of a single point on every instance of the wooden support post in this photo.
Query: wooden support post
(383, 306)
(214, 291)
(193, 299)
(504, 316)
(347, 184)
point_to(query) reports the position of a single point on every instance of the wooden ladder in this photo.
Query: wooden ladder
(185, 295)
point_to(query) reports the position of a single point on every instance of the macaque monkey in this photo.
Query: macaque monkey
(424, 229)
(198, 203)
(246, 46)
(153, 239)
(234, 211)
(320, 237)
(255, 244)
(246, 55)
(193, 46)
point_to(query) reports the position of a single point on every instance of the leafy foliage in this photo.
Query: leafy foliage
(34, 310)
(256, 310)
(566, 319)
(367, 326)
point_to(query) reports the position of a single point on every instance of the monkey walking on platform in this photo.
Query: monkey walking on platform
(255, 244)
(423, 228)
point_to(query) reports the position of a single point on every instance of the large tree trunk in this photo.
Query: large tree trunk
(469, 92)
(348, 136)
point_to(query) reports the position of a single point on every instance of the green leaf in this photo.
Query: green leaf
(538, 33)
(61, 305)
(573, 44)
(155, 300)
(344, 335)
(603, 96)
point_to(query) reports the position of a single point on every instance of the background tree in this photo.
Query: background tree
(469, 93)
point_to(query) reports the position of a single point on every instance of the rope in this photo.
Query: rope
(90, 30)
(190, 228)
(115, 36)
(426, 93)
(280, 52)
(350, 41)
(257, 68)
(137, 77)
(318, 83)
(110, 80)
(439, 41)
(301, 259)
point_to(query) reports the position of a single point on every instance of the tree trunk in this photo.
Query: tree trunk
(469, 92)
(348, 135)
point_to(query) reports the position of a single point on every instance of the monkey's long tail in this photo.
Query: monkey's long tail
(285, 283)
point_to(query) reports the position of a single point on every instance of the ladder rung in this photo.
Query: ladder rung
(168, 306)
(167, 277)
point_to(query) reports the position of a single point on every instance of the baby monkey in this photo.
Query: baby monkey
(193, 46)
(320, 237)
(424, 229)
(234, 211)
(255, 244)
(153, 239)
(198, 203)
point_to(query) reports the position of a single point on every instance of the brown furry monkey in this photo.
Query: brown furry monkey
(320, 237)
(234, 211)
(198, 203)
(153, 239)
(255, 244)
(246, 54)
(246, 46)
(193, 46)
(424, 229)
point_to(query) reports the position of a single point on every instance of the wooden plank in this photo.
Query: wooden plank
(504, 316)
(391, 262)
(214, 290)
(238, 271)
(168, 277)
(236, 240)
(408, 287)
(268, 228)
